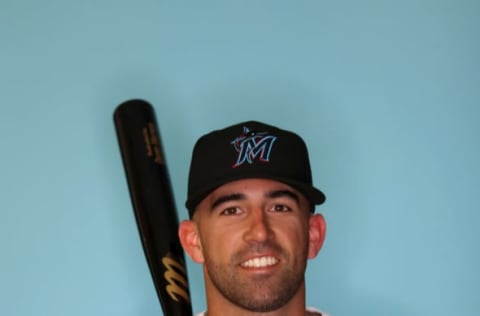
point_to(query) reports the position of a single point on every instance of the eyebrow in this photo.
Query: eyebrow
(283, 193)
(228, 198)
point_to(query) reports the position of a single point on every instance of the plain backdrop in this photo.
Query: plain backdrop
(385, 93)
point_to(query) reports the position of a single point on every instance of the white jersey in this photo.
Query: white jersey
(309, 309)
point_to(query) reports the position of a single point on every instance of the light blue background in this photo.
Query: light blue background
(386, 94)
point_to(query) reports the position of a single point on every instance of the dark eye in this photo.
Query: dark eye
(281, 208)
(230, 211)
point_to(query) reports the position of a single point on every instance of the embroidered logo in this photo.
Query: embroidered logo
(252, 145)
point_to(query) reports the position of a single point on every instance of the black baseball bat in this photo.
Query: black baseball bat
(153, 203)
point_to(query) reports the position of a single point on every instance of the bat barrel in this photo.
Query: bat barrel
(153, 203)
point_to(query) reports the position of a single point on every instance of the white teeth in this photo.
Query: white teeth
(260, 262)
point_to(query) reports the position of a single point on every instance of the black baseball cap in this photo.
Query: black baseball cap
(249, 150)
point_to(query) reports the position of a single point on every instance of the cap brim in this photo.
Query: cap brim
(312, 194)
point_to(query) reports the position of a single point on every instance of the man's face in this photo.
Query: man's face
(254, 240)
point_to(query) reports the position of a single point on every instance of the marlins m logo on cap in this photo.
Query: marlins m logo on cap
(251, 145)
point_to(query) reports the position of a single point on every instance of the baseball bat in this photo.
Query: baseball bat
(153, 203)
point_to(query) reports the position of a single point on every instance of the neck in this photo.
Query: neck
(307, 313)
(218, 305)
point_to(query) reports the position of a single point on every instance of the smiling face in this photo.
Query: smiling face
(254, 237)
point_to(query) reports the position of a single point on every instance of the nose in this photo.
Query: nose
(258, 229)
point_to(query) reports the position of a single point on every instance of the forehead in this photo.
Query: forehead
(250, 187)
(260, 185)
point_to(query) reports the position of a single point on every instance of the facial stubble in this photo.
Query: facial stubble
(259, 292)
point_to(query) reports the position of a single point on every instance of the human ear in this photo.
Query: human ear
(188, 234)
(317, 231)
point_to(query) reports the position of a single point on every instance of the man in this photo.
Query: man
(252, 224)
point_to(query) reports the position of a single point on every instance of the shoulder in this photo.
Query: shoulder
(315, 312)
